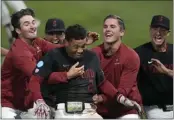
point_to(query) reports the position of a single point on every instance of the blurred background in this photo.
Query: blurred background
(137, 16)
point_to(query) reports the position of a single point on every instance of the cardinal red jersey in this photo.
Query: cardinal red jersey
(121, 70)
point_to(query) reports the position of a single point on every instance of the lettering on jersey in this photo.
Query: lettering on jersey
(152, 69)
(89, 75)
(40, 64)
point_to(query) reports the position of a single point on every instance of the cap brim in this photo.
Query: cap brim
(56, 30)
(160, 25)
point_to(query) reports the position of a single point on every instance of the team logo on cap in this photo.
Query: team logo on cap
(54, 23)
(161, 18)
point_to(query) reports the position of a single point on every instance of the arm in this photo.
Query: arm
(161, 67)
(47, 46)
(4, 51)
(24, 62)
(108, 90)
(129, 74)
(169, 72)
(42, 71)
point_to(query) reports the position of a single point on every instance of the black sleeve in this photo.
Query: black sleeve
(44, 66)
(99, 71)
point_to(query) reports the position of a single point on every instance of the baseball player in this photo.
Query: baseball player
(6, 19)
(120, 64)
(77, 78)
(55, 32)
(155, 78)
(19, 63)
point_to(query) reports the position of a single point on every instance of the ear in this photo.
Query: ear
(122, 33)
(18, 31)
(168, 33)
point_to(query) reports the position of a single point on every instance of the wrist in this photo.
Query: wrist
(68, 75)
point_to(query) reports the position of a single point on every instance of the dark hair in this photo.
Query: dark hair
(120, 21)
(76, 32)
(17, 16)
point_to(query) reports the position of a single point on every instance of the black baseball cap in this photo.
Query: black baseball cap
(54, 25)
(161, 21)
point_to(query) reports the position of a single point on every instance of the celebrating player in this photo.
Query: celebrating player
(155, 78)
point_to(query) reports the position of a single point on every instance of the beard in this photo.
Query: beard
(108, 52)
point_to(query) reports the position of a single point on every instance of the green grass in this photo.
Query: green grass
(136, 14)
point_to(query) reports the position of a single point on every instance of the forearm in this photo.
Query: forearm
(169, 72)
(4, 51)
(34, 87)
(108, 89)
(58, 77)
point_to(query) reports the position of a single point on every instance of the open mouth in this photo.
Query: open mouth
(158, 38)
(108, 35)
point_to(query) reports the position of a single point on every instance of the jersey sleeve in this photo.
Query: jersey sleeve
(42, 71)
(104, 85)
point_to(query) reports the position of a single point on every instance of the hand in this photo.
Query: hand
(97, 99)
(129, 103)
(92, 37)
(159, 66)
(42, 110)
(75, 71)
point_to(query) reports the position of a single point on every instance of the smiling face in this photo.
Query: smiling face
(112, 31)
(76, 48)
(158, 35)
(28, 27)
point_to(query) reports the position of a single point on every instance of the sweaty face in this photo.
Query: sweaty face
(28, 27)
(111, 30)
(76, 48)
(55, 37)
(158, 35)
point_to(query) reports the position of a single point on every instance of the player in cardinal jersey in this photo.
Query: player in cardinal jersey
(120, 64)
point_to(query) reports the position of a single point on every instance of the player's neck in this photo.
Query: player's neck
(161, 48)
(111, 48)
(114, 46)
(28, 41)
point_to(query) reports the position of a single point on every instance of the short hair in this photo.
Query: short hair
(120, 21)
(15, 18)
(76, 32)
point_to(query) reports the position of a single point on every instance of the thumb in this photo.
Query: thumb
(75, 65)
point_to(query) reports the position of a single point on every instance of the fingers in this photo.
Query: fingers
(75, 65)
(155, 61)
(42, 112)
(95, 98)
(137, 106)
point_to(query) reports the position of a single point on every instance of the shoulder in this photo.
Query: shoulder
(90, 54)
(98, 49)
(144, 47)
(129, 53)
(19, 48)
(170, 47)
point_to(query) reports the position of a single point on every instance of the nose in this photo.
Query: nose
(55, 37)
(80, 50)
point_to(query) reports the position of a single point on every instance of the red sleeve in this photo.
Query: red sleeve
(34, 87)
(108, 89)
(57, 77)
(47, 46)
(129, 74)
(25, 63)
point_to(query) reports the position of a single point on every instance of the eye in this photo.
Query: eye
(113, 26)
(26, 24)
(105, 26)
(34, 22)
